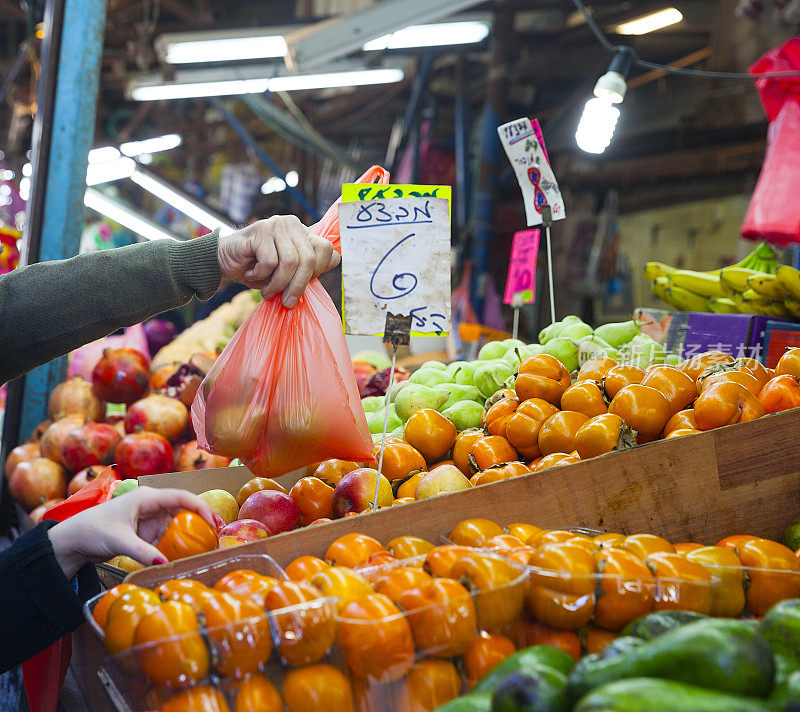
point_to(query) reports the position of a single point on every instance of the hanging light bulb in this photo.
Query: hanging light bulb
(600, 115)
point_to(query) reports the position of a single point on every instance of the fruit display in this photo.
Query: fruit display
(211, 333)
(756, 285)
(533, 415)
(498, 618)
(130, 415)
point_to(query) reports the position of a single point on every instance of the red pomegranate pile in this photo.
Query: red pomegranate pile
(84, 436)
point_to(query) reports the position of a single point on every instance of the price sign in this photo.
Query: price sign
(396, 258)
(533, 171)
(522, 267)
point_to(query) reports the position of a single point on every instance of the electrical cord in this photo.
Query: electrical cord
(682, 71)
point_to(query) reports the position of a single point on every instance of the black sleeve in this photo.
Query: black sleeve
(50, 308)
(38, 605)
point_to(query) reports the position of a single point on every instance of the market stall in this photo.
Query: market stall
(530, 443)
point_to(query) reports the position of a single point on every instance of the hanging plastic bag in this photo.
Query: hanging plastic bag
(774, 212)
(283, 394)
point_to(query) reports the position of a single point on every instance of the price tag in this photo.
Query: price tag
(533, 171)
(522, 267)
(396, 258)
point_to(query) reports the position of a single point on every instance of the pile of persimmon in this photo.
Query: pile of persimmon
(547, 420)
(583, 588)
(399, 616)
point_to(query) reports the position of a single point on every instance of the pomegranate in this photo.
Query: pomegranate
(75, 397)
(159, 377)
(183, 384)
(90, 444)
(52, 441)
(118, 421)
(22, 453)
(38, 431)
(144, 453)
(37, 514)
(121, 375)
(193, 458)
(158, 414)
(33, 483)
(83, 478)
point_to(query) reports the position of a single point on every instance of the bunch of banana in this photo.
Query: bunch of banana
(756, 285)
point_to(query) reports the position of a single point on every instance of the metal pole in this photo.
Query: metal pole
(264, 157)
(461, 131)
(412, 109)
(63, 132)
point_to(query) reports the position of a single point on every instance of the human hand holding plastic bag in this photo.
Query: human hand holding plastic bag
(283, 394)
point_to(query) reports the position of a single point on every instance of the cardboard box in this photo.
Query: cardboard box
(739, 479)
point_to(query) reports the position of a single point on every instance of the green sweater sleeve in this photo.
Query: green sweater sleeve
(50, 308)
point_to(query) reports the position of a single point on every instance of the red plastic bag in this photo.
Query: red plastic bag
(283, 393)
(774, 211)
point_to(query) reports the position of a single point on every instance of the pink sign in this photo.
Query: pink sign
(537, 129)
(522, 267)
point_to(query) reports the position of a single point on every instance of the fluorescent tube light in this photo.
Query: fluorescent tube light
(102, 155)
(158, 92)
(435, 35)
(650, 23)
(225, 50)
(258, 85)
(329, 80)
(188, 207)
(121, 213)
(110, 171)
(150, 145)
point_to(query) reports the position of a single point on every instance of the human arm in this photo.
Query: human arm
(40, 604)
(50, 308)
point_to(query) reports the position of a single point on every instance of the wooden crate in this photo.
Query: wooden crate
(740, 479)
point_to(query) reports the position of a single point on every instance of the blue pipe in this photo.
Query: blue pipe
(484, 199)
(64, 214)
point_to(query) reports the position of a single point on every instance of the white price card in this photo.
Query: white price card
(396, 258)
(532, 167)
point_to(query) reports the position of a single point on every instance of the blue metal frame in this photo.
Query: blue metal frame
(264, 157)
(73, 121)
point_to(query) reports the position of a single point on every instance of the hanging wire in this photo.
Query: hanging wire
(682, 71)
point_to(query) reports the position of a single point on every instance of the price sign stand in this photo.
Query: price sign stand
(397, 332)
(394, 252)
(547, 223)
(517, 304)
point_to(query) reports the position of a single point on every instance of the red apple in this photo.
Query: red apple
(33, 483)
(356, 490)
(144, 454)
(158, 414)
(276, 510)
(121, 375)
(90, 444)
(83, 478)
(242, 531)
